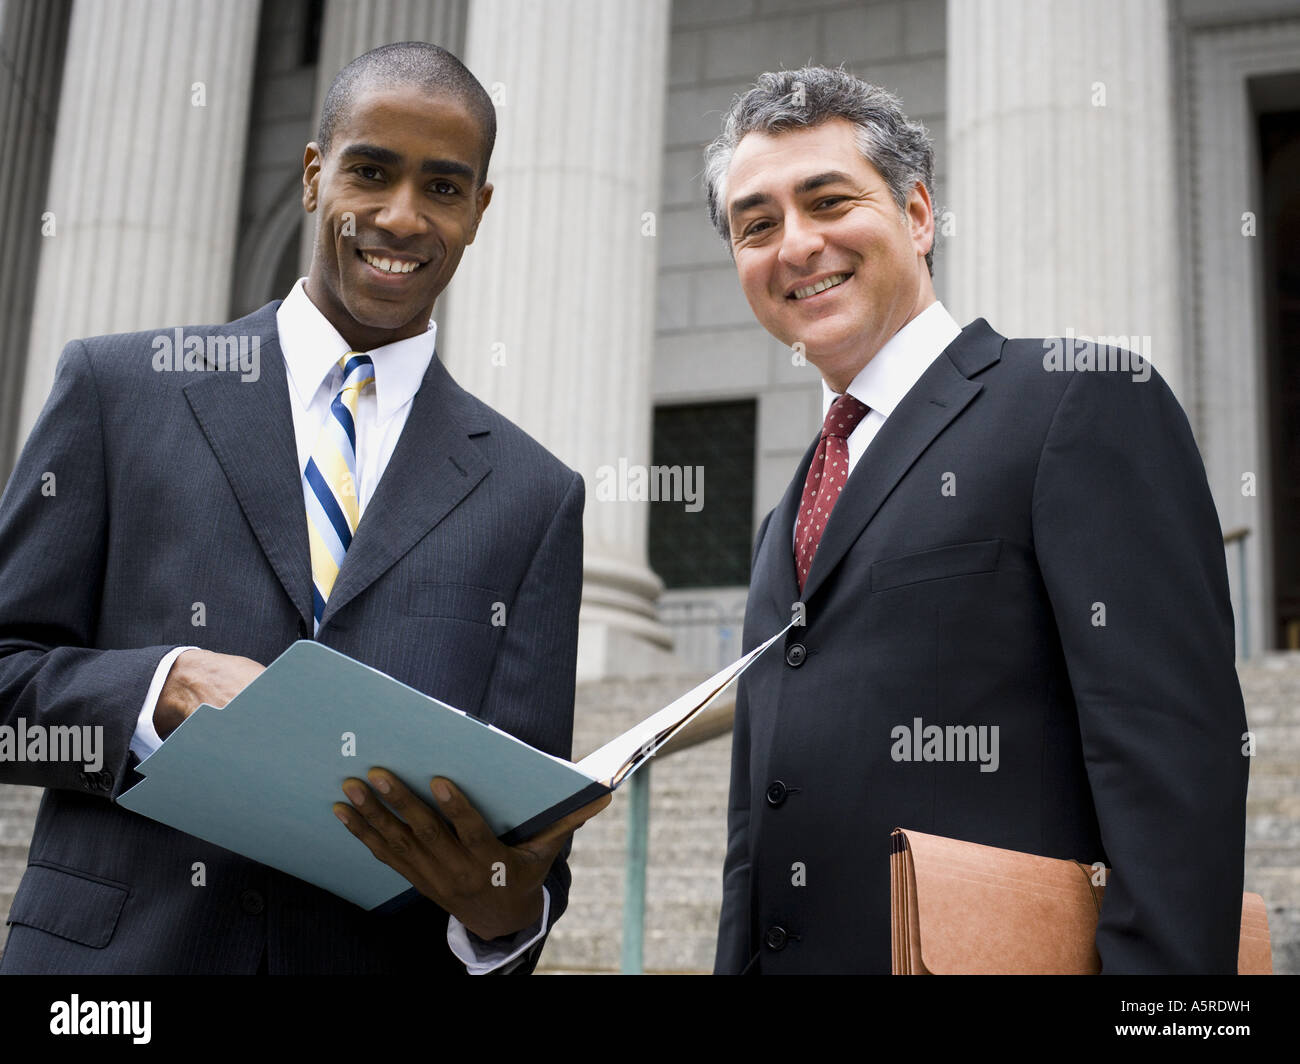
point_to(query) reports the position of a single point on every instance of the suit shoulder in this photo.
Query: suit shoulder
(145, 354)
(1092, 387)
(1089, 368)
(513, 450)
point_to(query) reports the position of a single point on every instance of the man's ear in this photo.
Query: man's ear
(311, 165)
(482, 199)
(920, 219)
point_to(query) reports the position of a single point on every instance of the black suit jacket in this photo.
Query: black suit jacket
(1073, 498)
(174, 488)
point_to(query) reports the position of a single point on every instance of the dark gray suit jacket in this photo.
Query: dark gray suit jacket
(978, 606)
(175, 488)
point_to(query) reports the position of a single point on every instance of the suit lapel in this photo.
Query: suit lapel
(941, 394)
(774, 566)
(249, 426)
(433, 468)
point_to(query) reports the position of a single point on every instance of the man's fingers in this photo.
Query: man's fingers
(366, 804)
(199, 676)
(424, 822)
(566, 826)
(471, 828)
(393, 834)
(357, 825)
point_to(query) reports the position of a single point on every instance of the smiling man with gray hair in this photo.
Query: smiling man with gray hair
(978, 540)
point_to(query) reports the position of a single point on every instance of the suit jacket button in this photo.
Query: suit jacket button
(775, 938)
(795, 654)
(776, 793)
(252, 902)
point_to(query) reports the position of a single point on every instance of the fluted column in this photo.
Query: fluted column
(1061, 136)
(552, 308)
(353, 27)
(33, 35)
(146, 176)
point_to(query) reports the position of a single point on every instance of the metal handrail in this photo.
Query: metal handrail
(713, 722)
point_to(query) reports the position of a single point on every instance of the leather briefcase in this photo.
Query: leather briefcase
(962, 908)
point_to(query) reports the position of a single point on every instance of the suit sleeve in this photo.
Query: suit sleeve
(734, 952)
(53, 523)
(532, 687)
(1131, 553)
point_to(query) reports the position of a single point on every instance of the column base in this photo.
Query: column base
(606, 652)
(619, 631)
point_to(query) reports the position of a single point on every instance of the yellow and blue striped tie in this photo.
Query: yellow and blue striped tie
(330, 482)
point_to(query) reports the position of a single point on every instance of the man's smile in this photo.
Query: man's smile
(815, 288)
(388, 265)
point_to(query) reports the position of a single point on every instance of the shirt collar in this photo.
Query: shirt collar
(312, 348)
(896, 367)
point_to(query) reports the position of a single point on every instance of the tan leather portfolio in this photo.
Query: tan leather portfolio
(959, 908)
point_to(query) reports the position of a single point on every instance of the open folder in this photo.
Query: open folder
(259, 777)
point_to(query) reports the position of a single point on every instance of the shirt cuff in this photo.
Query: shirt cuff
(145, 740)
(481, 956)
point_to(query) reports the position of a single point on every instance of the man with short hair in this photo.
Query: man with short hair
(981, 547)
(349, 492)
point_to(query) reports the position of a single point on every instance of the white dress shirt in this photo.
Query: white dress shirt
(882, 382)
(312, 348)
(892, 373)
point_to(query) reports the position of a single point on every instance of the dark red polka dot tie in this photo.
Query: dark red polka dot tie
(826, 478)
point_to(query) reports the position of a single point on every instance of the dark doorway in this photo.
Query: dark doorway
(1279, 230)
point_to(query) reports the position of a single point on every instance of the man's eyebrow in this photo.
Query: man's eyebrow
(808, 184)
(754, 199)
(391, 158)
(372, 151)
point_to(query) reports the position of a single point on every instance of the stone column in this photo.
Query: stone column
(33, 35)
(552, 307)
(353, 27)
(147, 171)
(1063, 198)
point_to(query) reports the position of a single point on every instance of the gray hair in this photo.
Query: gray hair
(899, 149)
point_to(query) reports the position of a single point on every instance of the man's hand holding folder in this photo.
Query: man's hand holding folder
(199, 676)
(279, 751)
(450, 854)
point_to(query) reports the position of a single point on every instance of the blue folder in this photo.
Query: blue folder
(260, 776)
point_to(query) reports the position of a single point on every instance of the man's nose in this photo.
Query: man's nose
(402, 212)
(801, 238)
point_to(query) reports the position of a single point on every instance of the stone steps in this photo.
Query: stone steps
(1271, 686)
(686, 845)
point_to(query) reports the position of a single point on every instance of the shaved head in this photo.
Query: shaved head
(433, 70)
